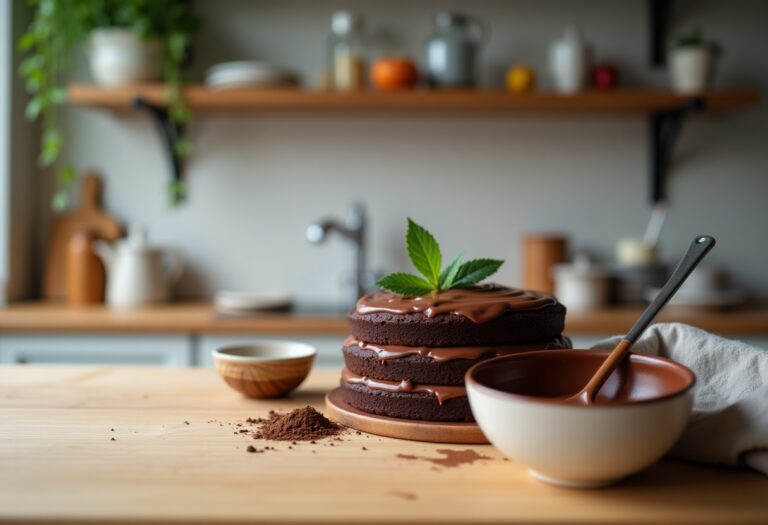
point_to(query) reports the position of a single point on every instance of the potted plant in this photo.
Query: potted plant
(129, 40)
(692, 62)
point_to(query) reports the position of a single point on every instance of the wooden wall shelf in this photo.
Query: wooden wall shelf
(202, 99)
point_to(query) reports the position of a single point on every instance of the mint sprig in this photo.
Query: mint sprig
(427, 258)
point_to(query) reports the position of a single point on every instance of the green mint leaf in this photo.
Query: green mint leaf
(448, 275)
(472, 272)
(405, 284)
(424, 253)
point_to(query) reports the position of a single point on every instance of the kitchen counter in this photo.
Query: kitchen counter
(175, 459)
(196, 318)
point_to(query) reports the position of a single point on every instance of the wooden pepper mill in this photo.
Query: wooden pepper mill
(541, 252)
(86, 277)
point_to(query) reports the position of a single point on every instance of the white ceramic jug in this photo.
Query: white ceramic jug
(137, 274)
(569, 61)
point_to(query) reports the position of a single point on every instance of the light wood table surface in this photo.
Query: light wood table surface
(58, 464)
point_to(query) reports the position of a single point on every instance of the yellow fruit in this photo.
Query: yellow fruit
(521, 79)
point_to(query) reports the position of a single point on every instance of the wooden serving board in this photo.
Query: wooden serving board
(176, 459)
(431, 431)
(89, 217)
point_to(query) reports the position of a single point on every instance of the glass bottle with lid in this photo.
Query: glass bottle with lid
(347, 51)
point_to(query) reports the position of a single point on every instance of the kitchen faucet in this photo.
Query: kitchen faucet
(353, 229)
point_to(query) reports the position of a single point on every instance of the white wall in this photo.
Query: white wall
(477, 182)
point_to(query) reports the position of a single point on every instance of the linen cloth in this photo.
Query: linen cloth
(729, 424)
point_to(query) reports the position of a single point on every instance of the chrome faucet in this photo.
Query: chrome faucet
(353, 229)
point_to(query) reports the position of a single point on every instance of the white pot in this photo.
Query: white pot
(120, 57)
(690, 69)
(569, 62)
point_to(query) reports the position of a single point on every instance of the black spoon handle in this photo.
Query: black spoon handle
(699, 248)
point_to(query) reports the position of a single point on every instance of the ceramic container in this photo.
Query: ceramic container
(120, 57)
(582, 285)
(138, 274)
(569, 61)
(691, 69)
(639, 414)
(265, 368)
(453, 50)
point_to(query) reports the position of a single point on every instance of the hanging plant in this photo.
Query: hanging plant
(59, 26)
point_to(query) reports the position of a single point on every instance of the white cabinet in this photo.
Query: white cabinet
(109, 349)
(328, 346)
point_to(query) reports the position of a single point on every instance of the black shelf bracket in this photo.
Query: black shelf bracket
(659, 13)
(170, 132)
(664, 130)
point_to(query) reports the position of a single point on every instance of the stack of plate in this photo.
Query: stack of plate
(229, 302)
(249, 74)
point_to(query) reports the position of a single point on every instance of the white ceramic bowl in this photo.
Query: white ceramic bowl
(641, 411)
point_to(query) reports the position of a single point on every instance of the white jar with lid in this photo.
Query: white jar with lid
(582, 285)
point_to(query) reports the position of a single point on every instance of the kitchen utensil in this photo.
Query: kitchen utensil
(696, 252)
(85, 272)
(264, 368)
(638, 415)
(582, 285)
(569, 61)
(452, 52)
(89, 216)
(655, 224)
(137, 274)
(541, 252)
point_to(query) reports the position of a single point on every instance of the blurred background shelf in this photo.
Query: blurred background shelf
(203, 99)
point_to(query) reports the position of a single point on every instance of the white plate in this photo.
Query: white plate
(234, 302)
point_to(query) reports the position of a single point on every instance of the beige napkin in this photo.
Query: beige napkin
(730, 407)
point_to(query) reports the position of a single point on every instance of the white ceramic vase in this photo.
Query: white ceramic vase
(120, 57)
(569, 62)
(690, 69)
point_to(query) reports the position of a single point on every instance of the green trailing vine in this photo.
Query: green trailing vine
(58, 26)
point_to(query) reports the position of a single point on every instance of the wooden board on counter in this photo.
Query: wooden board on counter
(172, 462)
(196, 318)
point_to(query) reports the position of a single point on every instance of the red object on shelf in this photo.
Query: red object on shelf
(605, 76)
(391, 74)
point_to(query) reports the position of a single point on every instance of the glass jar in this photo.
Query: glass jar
(347, 50)
(452, 50)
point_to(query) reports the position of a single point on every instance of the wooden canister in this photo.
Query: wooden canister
(541, 252)
(85, 272)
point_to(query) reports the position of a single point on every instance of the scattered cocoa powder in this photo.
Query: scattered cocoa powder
(301, 424)
(453, 458)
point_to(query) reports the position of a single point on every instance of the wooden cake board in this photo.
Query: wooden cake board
(433, 431)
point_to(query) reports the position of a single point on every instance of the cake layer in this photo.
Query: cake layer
(483, 315)
(406, 400)
(429, 365)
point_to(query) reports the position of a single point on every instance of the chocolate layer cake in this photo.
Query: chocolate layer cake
(407, 356)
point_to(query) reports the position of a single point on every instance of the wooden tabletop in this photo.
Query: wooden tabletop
(172, 462)
(195, 318)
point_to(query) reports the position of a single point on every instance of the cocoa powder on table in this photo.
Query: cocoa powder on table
(301, 424)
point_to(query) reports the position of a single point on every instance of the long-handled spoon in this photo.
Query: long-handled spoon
(699, 248)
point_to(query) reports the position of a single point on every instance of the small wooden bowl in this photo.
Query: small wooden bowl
(265, 368)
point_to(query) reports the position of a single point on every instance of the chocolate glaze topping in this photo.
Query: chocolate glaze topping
(449, 353)
(441, 392)
(479, 304)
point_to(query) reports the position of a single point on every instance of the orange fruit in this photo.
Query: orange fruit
(389, 74)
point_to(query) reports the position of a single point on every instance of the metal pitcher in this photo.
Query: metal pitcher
(452, 51)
